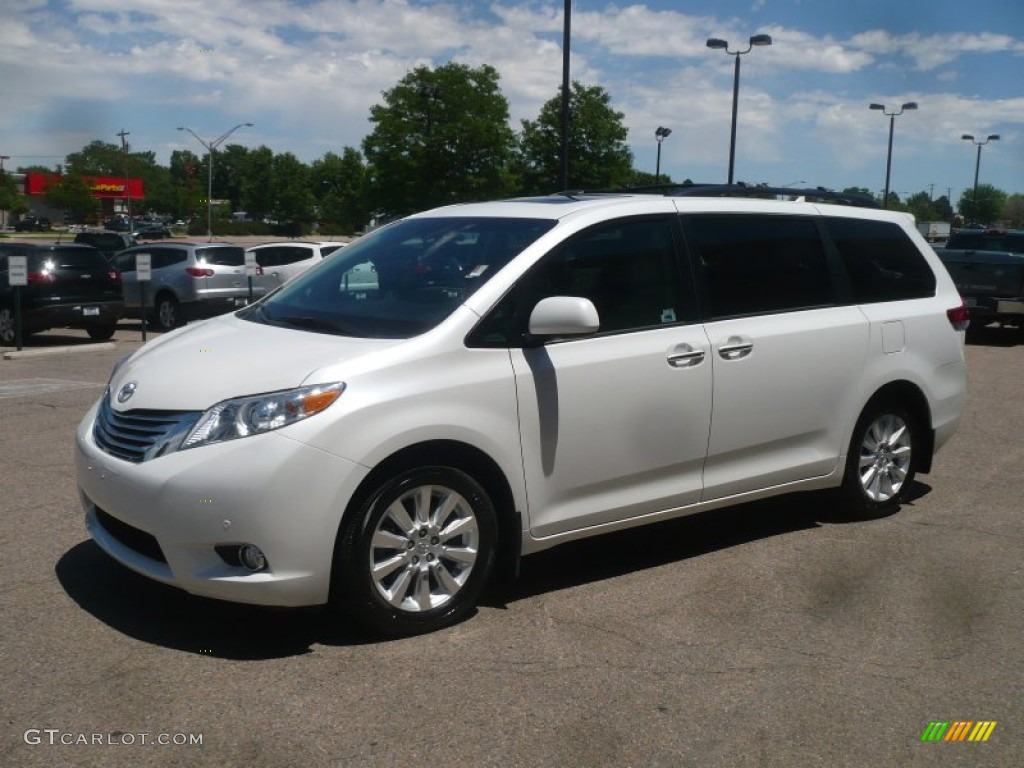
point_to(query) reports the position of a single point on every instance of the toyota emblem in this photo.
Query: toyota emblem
(126, 392)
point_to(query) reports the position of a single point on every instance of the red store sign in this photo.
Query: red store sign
(101, 186)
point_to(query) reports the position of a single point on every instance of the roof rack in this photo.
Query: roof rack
(690, 189)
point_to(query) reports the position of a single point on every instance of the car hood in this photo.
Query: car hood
(197, 366)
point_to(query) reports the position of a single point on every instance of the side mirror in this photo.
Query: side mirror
(564, 316)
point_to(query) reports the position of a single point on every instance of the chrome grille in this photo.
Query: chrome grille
(140, 435)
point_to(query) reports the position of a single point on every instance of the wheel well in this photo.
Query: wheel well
(466, 458)
(913, 399)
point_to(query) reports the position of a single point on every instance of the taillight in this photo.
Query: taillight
(959, 317)
(41, 277)
(114, 276)
(199, 272)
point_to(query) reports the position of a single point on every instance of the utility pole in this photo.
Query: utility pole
(127, 185)
(931, 191)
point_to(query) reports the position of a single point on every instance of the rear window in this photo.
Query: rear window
(881, 260)
(222, 256)
(68, 258)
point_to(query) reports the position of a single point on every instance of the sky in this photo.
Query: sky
(306, 73)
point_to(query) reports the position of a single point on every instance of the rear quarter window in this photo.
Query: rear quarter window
(882, 262)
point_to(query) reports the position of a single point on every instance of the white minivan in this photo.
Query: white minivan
(499, 378)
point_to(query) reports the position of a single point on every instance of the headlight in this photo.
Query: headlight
(244, 416)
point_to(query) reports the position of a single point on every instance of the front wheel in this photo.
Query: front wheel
(415, 556)
(882, 460)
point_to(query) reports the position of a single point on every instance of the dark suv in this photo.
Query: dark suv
(69, 286)
(107, 243)
(32, 223)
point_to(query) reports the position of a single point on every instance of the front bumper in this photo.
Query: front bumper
(163, 518)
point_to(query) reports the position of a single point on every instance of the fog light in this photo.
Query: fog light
(252, 557)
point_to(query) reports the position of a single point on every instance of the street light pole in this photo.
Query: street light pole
(659, 136)
(563, 159)
(977, 164)
(888, 158)
(124, 167)
(210, 147)
(715, 43)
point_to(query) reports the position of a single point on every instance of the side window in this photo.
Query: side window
(752, 264)
(267, 257)
(125, 262)
(161, 257)
(628, 269)
(882, 262)
(291, 254)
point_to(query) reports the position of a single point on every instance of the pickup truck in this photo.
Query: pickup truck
(988, 269)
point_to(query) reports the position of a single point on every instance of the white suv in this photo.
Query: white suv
(504, 377)
(283, 261)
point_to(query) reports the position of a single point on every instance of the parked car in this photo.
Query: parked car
(107, 243)
(499, 378)
(151, 229)
(988, 269)
(69, 286)
(283, 261)
(30, 223)
(189, 281)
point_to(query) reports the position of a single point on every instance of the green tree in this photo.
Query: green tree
(231, 168)
(189, 182)
(441, 136)
(99, 158)
(598, 154)
(984, 209)
(257, 178)
(943, 209)
(1013, 211)
(72, 195)
(11, 200)
(920, 204)
(339, 185)
(293, 198)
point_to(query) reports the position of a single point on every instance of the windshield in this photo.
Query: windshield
(401, 280)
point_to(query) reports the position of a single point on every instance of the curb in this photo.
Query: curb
(44, 351)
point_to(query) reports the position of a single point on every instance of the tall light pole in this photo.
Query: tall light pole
(888, 158)
(563, 155)
(715, 43)
(977, 164)
(210, 147)
(659, 136)
(127, 187)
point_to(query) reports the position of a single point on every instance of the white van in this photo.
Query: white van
(508, 376)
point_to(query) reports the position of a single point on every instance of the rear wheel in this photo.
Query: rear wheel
(101, 332)
(6, 325)
(168, 312)
(882, 460)
(415, 556)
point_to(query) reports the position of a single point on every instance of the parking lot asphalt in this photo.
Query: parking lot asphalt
(770, 634)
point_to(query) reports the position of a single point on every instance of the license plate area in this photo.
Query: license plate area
(91, 311)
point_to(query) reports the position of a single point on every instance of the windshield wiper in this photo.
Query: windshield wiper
(314, 324)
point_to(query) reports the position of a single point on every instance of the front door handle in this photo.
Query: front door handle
(685, 356)
(735, 348)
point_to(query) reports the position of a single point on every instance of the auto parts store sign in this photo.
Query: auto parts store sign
(101, 186)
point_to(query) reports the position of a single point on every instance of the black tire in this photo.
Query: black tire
(884, 454)
(167, 313)
(429, 589)
(7, 335)
(101, 332)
